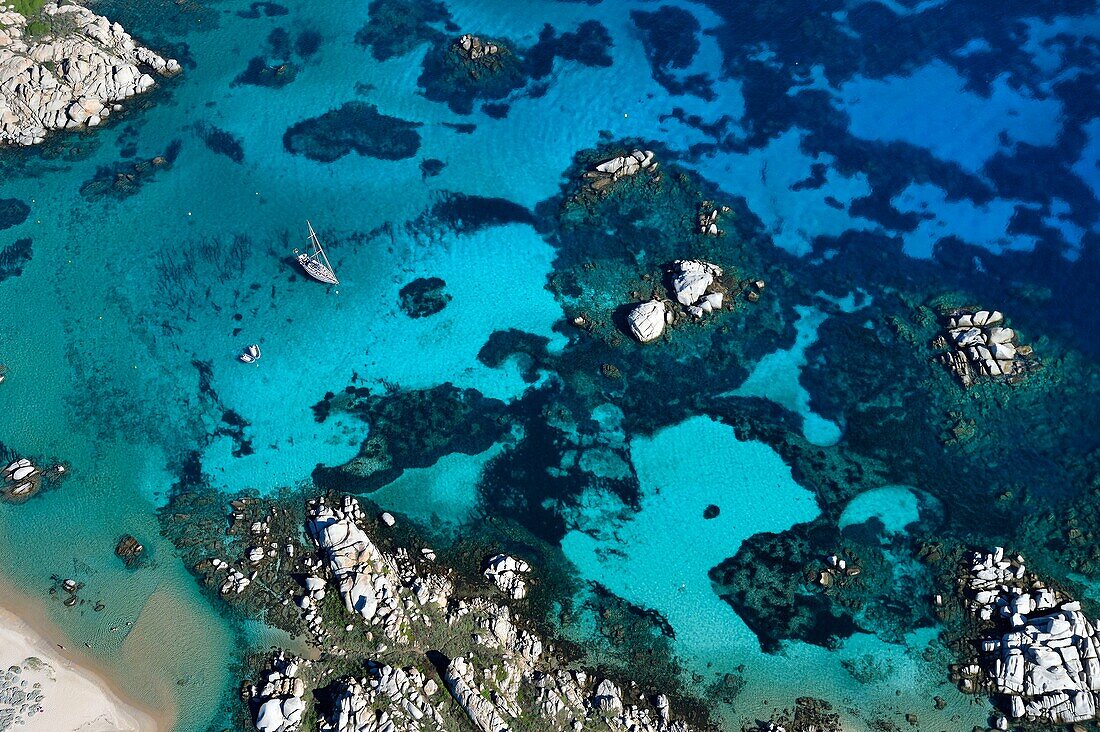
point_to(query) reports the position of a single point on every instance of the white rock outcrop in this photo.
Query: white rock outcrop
(647, 320)
(507, 574)
(1041, 660)
(462, 682)
(691, 279)
(366, 579)
(278, 696)
(71, 77)
(980, 347)
(609, 172)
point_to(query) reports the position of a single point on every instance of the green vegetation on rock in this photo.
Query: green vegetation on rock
(28, 8)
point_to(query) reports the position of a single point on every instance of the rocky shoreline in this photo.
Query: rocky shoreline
(68, 68)
(403, 643)
(432, 652)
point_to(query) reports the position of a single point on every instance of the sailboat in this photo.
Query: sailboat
(316, 264)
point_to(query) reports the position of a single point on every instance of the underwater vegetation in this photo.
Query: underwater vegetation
(353, 127)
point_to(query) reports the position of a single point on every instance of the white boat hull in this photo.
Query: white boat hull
(317, 271)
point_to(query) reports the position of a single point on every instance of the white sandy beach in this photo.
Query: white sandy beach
(73, 698)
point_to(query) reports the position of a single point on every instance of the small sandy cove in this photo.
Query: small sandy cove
(52, 693)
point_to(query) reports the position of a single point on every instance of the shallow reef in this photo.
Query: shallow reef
(14, 257)
(353, 127)
(465, 214)
(221, 142)
(263, 9)
(459, 82)
(448, 75)
(396, 27)
(670, 37)
(281, 60)
(424, 296)
(13, 212)
(408, 429)
(125, 179)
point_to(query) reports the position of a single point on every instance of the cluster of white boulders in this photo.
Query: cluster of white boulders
(507, 574)
(611, 171)
(22, 477)
(72, 77)
(235, 581)
(1041, 657)
(707, 220)
(262, 549)
(836, 571)
(692, 284)
(366, 578)
(388, 699)
(473, 48)
(278, 696)
(979, 346)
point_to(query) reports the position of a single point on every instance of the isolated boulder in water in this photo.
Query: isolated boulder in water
(647, 320)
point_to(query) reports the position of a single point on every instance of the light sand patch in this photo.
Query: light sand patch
(51, 693)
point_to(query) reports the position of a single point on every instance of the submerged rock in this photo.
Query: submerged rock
(353, 127)
(424, 296)
(129, 550)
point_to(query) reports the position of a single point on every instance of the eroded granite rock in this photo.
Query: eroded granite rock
(277, 696)
(647, 320)
(611, 171)
(980, 347)
(1039, 655)
(72, 76)
(507, 574)
(365, 577)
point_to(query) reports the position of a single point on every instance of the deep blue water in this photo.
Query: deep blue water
(879, 155)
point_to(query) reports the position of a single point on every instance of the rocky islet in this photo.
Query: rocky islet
(73, 72)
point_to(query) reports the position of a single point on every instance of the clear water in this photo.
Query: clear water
(102, 330)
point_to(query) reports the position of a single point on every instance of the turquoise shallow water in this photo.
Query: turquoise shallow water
(121, 332)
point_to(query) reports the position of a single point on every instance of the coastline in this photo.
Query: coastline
(78, 693)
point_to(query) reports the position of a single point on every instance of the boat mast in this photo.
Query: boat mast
(318, 250)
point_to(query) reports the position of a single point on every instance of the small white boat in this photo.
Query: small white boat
(316, 264)
(251, 354)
